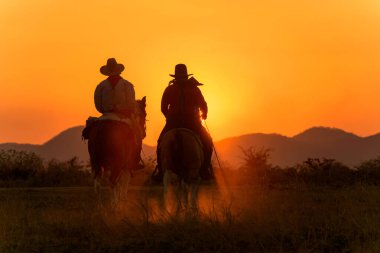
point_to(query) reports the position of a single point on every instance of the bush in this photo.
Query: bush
(24, 169)
(255, 165)
(325, 172)
(315, 171)
(369, 171)
(19, 165)
(67, 173)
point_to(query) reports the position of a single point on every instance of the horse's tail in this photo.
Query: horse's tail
(94, 149)
(108, 148)
(178, 151)
(184, 140)
(181, 153)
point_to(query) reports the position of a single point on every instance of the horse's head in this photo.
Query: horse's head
(141, 113)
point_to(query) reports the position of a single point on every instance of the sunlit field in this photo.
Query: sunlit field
(238, 219)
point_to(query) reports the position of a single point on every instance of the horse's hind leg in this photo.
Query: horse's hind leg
(121, 187)
(185, 194)
(166, 181)
(181, 195)
(194, 187)
(125, 179)
(97, 186)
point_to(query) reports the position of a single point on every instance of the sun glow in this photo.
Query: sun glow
(266, 66)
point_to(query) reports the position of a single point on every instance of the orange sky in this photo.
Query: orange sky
(268, 66)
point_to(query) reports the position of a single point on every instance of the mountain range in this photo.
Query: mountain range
(316, 142)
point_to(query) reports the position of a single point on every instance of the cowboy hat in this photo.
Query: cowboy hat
(180, 71)
(112, 68)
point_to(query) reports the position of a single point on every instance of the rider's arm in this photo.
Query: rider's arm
(130, 97)
(165, 103)
(202, 104)
(98, 98)
(129, 103)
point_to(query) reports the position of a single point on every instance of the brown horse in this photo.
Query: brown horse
(113, 146)
(182, 158)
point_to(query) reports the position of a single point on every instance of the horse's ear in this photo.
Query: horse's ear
(144, 99)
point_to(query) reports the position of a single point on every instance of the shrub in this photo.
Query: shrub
(255, 165)
(67, 173)
(22, 169)
(317, 171)
(19, 165)
(324, 172)
(369, 171)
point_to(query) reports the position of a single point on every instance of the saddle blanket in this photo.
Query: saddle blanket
(111, 116)
(114, 116)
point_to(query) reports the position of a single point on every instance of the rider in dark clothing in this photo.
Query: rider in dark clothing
(184, 107)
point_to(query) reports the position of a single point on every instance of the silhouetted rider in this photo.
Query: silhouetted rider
(114, 97)
(184, 107)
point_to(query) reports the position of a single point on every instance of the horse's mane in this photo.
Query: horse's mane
(141, 106)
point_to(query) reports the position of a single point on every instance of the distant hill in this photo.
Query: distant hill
(64, 146)
(315, 142)
(286, 151)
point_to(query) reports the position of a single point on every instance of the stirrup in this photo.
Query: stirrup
(157, 176)
(155, 172)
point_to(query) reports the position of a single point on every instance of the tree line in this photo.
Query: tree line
(27, 169)
(257, 169)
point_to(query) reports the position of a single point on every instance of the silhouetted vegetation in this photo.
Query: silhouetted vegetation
(27, 169)
(256, 163)
(19, 165)
(368, 172)
(256, 169)
(257, 217)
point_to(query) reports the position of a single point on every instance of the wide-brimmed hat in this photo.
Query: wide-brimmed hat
(180, 71)
(112, 68)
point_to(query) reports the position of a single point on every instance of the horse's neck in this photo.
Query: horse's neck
(139, 122)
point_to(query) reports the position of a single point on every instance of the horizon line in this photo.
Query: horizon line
(230, 137)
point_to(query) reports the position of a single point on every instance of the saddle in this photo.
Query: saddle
(93, 123)
(130, 123)
(187, 130)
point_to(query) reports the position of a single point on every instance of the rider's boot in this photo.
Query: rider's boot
(207, 173)
(138, 161)
(158, 174)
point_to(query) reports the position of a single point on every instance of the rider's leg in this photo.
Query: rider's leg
(207, 171)
(158, 172)
(139, 161)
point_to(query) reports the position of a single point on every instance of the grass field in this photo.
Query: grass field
(241, 219)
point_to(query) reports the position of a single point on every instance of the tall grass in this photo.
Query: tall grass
(256, 219)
